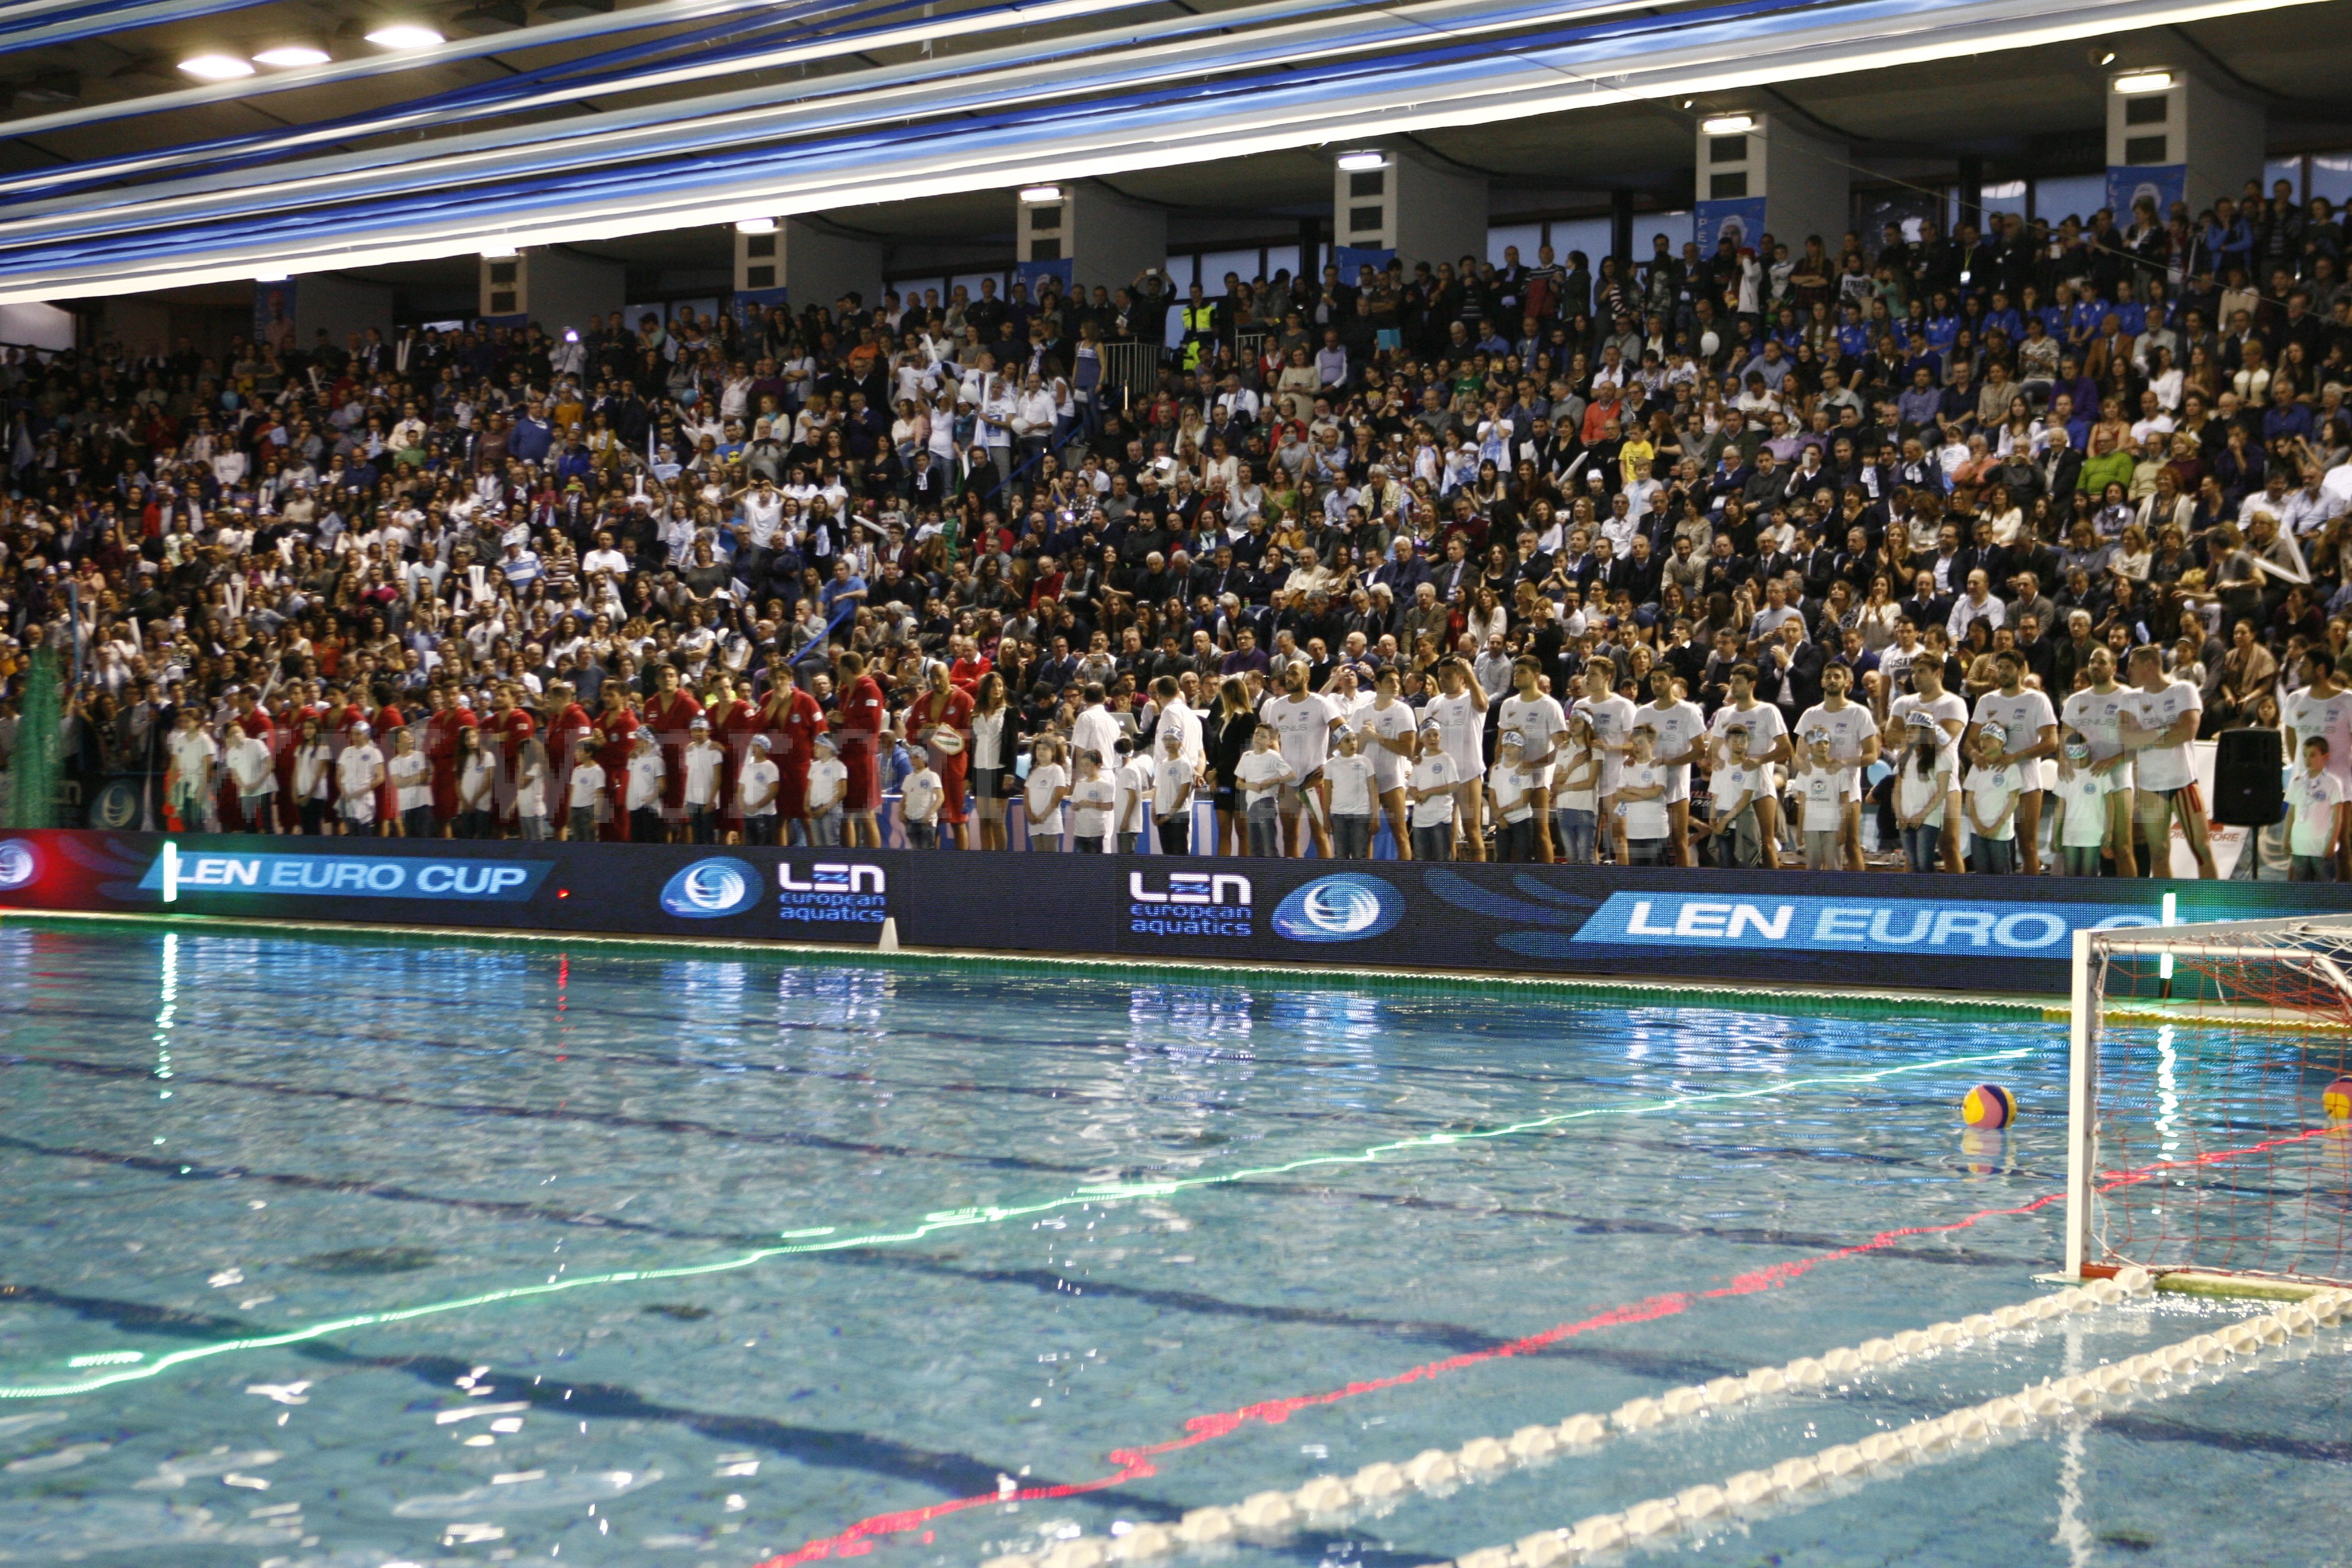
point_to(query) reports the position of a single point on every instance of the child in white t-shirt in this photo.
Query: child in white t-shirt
(1991, 794)
(919, 803)
(2081, 798)
(1260, 776)
(756, 788)
(583, 795)
(1429, 790)
(704, 764)
(1820, 788)
(1511, 800)
(642, 790)
(1091, 800)
(1575, 792)
(1048, 786)
(1132, 780)
(828, 782)
(1732, 792)
(254, 773)
(2313, 796)
(411, 775)
(1641, 798)
(1923, 782)
(1351, 775)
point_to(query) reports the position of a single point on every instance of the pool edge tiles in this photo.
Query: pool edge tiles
(1791, 999)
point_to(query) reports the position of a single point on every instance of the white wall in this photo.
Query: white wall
(36, 326)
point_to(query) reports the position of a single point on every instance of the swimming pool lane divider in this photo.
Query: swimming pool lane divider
(829, 1238)
(1682, 992)
(1332, 1502)
(2286, 1334)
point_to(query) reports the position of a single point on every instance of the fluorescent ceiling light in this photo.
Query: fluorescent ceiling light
(405, 35)
(216, 67)
(1035, 196)
(756, 225)
(1729, 125)
(498, 251)
(269, 278)
(1357, 162)
(2144, 81)
(289, 55)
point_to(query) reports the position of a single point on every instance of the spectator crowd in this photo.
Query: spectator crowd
(1700, 557)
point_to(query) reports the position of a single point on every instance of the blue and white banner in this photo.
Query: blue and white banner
(175, 872)
(2163, 183)
(1951, 928)
(1741, 218)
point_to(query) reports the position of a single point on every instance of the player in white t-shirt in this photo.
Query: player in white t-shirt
(2080, 795)
(1854, 745)
(1534, 716)
(1435, 790)
(2025, 716)
(1821, 789)
(2324, 707)
(1385, 725)
(1459, 712)
(2315, 801)
(1991, 789)
(1679, 728)
(1767, 746)
(1612, 717)
(2157, 728)
(1950, 712)
(2097, 713)
(1351, 775)
(1303, 724)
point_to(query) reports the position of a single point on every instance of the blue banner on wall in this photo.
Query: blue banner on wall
(1036, 272)
(2164, 183)
(1351, 259)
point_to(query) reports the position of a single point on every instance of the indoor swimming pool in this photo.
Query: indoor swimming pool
(358, 1252)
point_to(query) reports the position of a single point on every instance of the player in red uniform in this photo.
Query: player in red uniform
(791, 717)
(864, 716)
(945, 711)
(511, 726)
(616, 736)
(450, 717)
(733, 721)
(670, 713)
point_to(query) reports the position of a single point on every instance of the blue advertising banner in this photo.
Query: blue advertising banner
(1033, 273)
(1973, 933)
(1351, 259)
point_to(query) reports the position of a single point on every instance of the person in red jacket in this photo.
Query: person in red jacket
(941, 721)
(863, 718)
(669, 713)
(616, 736)
(793, 720)
(450, 718)
(733, 721)
(512, 725)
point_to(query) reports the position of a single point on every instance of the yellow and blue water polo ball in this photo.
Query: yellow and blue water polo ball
(1987, 1105)
(2335, 1100)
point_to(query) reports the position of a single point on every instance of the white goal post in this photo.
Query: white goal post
(2197, 1137)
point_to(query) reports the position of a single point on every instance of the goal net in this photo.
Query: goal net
(2208, 1124)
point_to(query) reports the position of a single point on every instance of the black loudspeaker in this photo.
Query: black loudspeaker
(2249, 780)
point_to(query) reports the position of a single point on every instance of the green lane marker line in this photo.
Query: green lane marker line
(950, 1219)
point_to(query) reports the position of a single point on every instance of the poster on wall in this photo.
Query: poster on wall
(273, 314)
(1032, 273)
(2128, 184)
(1351, 260)
(1742, 220)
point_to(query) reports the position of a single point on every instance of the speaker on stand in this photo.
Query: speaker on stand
(2249, 778)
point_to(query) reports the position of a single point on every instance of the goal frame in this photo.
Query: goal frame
(2215, 939)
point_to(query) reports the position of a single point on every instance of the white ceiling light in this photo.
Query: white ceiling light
(269, 278)
(497, 250)
(1036, 195)
(756, 225)
(1729, 125)
(289, 54)
(2145, 82)
(405, 35)
(216, 67)
(1357, 162)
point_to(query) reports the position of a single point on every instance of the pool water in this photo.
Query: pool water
(899, 1241)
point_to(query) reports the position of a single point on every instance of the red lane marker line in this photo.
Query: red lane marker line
(1135, 1464)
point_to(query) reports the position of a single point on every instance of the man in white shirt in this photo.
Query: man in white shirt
(704, 763)
(2322, 711)
(2157, 729)
(1534, 716)
(1387, 725)
(1977, 605)
(1304, 722)
(1459, 713)
(1680, 728)
(1854, 746)
(359, 779)
(1767, 745)
(2095, 712)
(1950, 712)
(1094, 729)
(2031, 731)
(1612, 717)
